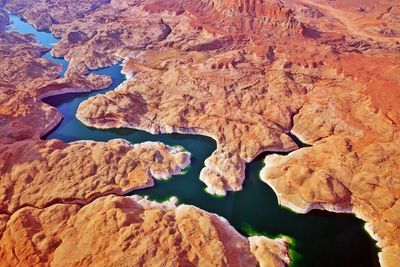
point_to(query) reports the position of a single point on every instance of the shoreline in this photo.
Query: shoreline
(269, 161)
(166, 129)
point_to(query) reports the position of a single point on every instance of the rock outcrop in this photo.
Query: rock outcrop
(351, 166)
(53, 193)
(25, 78)
(129, 231)
(42, 15)
(192, 98)
(340, 175)
(39, 173)
(269, 252)
(251, 74)
(337, 102)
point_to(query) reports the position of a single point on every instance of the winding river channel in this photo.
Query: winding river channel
(318, 238)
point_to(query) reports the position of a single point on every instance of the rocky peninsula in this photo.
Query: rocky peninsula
(319, 78)
(130, 231)
(252, 100)
(48, 188)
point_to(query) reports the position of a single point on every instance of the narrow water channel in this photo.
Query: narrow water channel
(319, 238)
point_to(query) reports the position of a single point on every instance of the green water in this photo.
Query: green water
(318, 238)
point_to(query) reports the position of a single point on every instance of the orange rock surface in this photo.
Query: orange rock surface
(244, 94)
(47, 185)
(254, 75)
(128, 231)
(25, 78)
(190, 98)
(39, 173)
(338, 174)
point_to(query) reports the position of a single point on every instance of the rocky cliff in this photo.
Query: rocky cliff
(257, 76)
(129, 231)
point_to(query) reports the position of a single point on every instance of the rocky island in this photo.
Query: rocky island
(315, 81)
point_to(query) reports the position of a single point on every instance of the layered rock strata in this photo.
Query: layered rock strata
(40, 173)
(130, 231)
(190, 98)
(336, 101)
(250, 74)
(50, 187)
(351, 166)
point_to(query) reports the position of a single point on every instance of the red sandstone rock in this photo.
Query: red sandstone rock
(115, 231)
(39, 173)
(239, 71)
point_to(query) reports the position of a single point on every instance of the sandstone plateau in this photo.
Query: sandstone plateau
(40, 173)
(319, 77)
(52, 181)
(130, 231)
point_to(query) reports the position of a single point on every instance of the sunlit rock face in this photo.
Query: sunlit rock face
(41, 173)
(51, 187)
(253, 75)
(130, 231)
(316, 93)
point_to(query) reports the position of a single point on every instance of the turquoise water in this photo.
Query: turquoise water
(43, 38)
(319, 238)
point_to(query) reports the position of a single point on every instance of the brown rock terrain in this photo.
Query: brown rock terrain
(377, 21)
(269, 252)
(43, 14)
(129, 231)
(191, 99)
(25, 78)
(251, 74)
(39, 173)
(351, 165)
(338, 174)
(244, 95)
(45, 184)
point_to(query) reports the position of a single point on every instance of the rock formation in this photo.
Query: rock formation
(350, 167)
(340, 174)
(39, 173)
(129, 231)
(254, 75)
(190, 98)
(25, 78)
(337, 102)
(47, 183)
